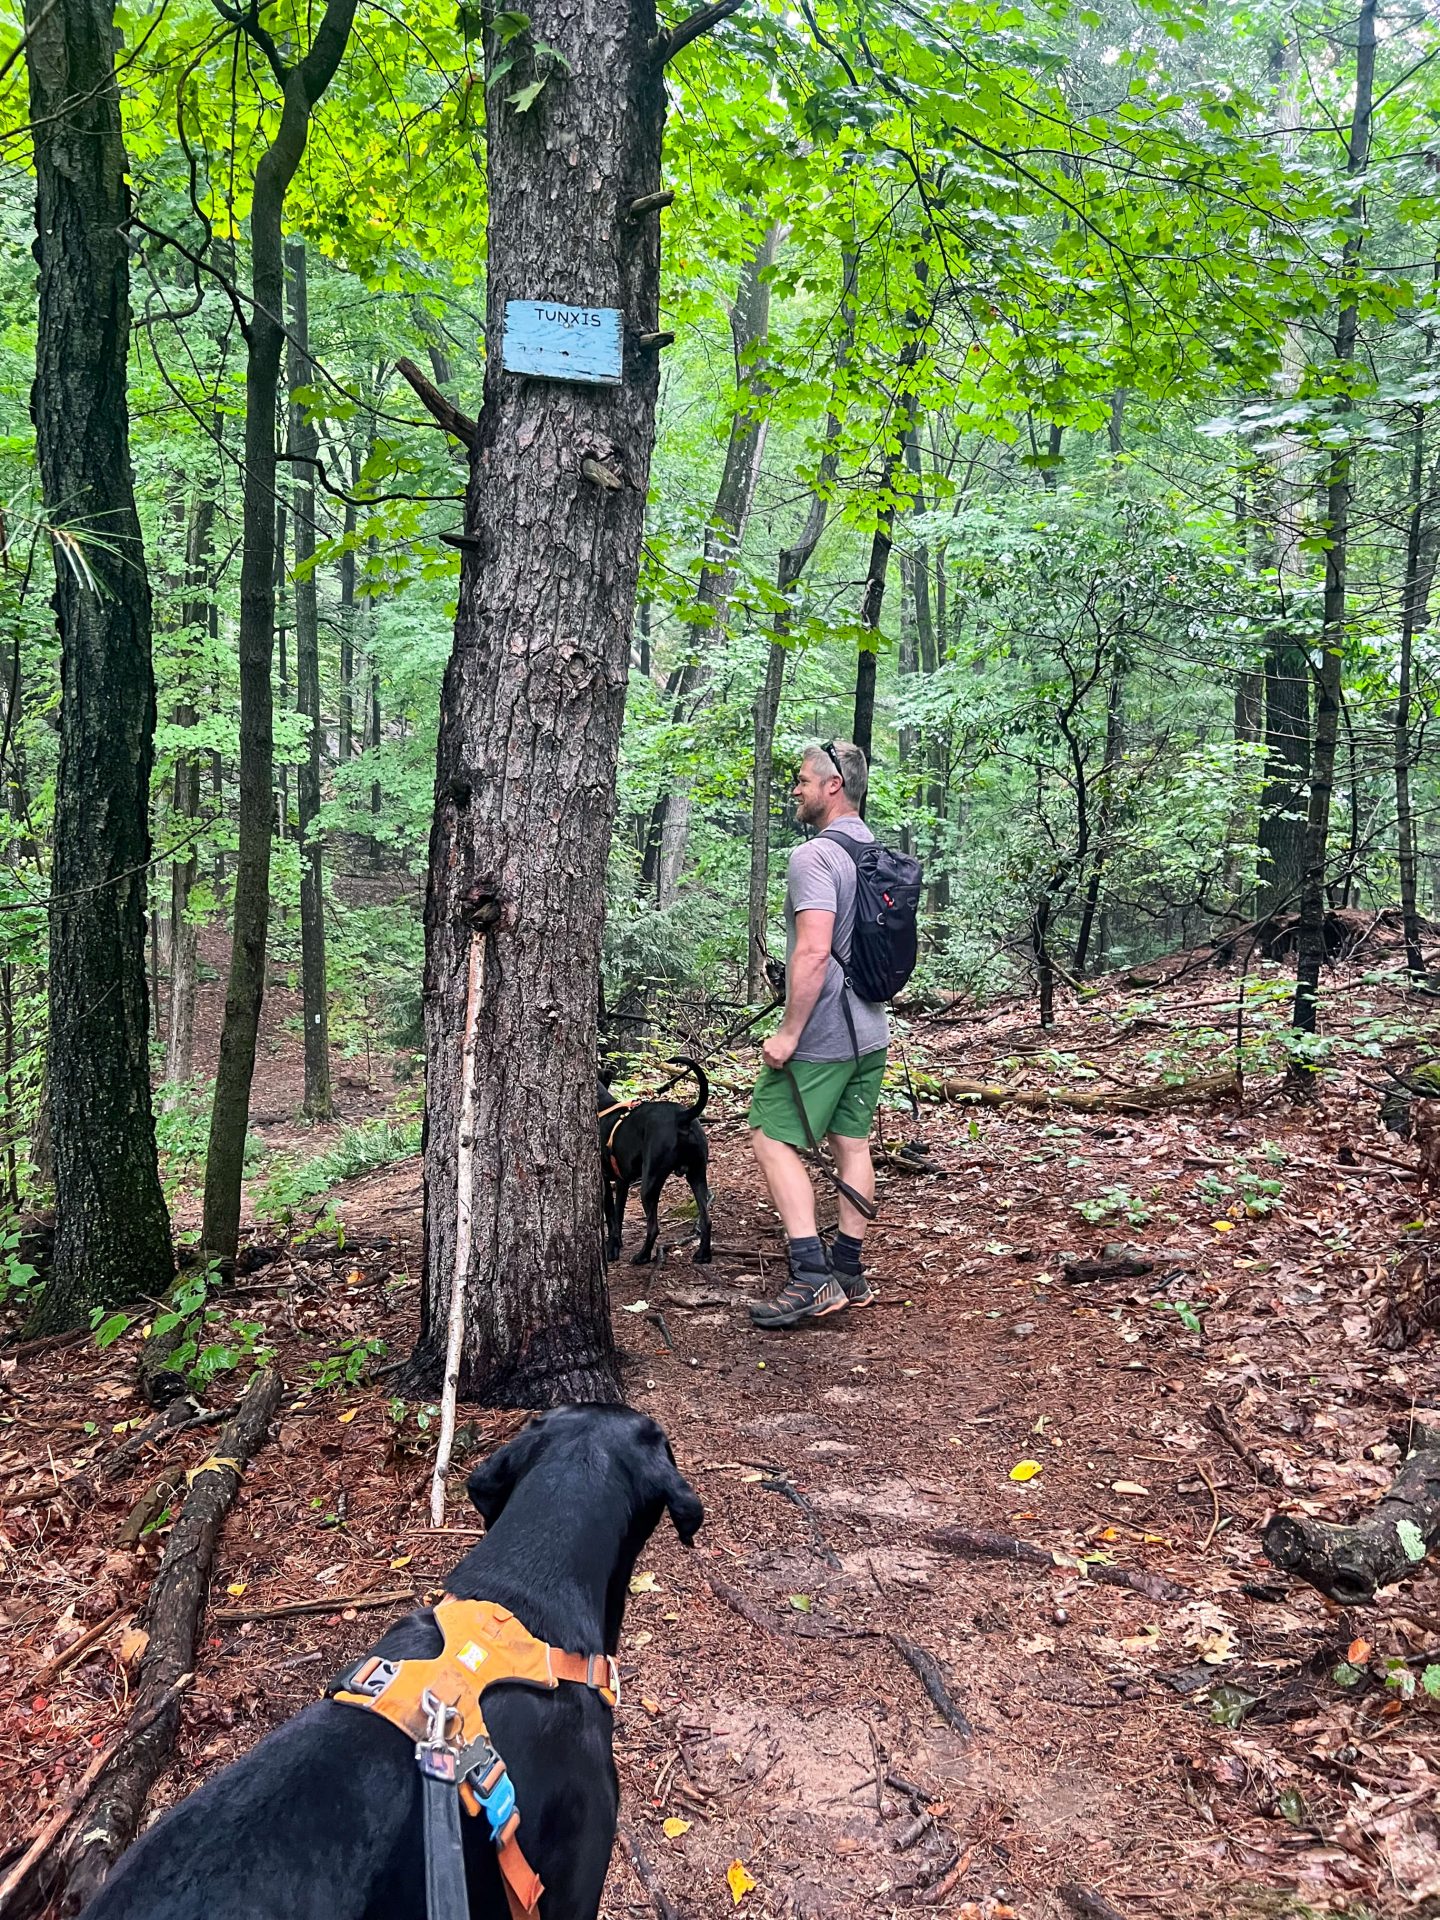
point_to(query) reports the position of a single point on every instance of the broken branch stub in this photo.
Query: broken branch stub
(1350, 1564)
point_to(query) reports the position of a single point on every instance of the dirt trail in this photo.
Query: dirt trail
(827, 1459)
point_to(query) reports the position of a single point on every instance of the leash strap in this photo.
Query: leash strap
(862, 1206)
(447, 1896)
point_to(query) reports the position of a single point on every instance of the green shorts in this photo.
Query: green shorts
(840, 1097)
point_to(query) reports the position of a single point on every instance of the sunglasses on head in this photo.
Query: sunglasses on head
(829, 751)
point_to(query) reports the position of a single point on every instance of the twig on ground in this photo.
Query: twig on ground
(1221, 1423)
(782, 1484)
(358, 1602)
(73, 1652)
(647, 1875)
(1215, 1502)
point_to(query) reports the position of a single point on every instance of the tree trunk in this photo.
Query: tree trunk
(530, 723)
(305, 443)
(1422, 548)
(1310, 941)
(1105, 813)
(304, 85)
(724, 535)
(185, 812)
(345, 747)
(112, 1235)
(790, 566)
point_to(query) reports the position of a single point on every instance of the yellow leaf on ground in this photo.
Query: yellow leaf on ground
(403, 1561)
(1026, 1469)
(346, 1418)
(642, 1583)
(739, 1881)
(236, 1588)
(1223, 1226)
(652, 1707)
(673, 1828)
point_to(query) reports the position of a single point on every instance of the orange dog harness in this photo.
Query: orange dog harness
(438, 1704)
(622, 1107)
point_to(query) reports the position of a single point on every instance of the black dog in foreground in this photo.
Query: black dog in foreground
(648, 1140)
(322, 1821)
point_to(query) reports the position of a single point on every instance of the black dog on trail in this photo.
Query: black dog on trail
(648, 1140)
(322, 1821)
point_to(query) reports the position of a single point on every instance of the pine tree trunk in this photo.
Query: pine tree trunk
(530, 725)
(304, 85)
(112, 1234)
(1310, 941)
(1422, 548)
(305, 444)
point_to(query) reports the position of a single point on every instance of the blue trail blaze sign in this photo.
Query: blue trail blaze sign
(554, 342)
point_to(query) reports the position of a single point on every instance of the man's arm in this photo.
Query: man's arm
(805, 977)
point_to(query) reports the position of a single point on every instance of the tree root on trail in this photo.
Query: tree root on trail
(1220, 1422)
(1086, 1904)
(1350, 1564)
(110, 1812)
(646, 1874)
(978, 1543)
(1205, 1086)
(926, 1670)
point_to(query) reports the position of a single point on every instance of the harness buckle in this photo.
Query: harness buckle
(436, 1755)
(610, 1673)
(483, 1771)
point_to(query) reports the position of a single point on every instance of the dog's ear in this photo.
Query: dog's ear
(682, 1502)
(493, 1481)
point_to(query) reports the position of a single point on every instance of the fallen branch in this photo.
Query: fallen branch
(768, 1623)
(14, 1880)
(1122, 1263)
(458, 425)
(73, 1652)
(647, 1875)
(356, 1602)
(1350, 1564)
(927, 1671)
(1207, 1086)
(111, 1813)
(977, 1543)
(1220, 1422)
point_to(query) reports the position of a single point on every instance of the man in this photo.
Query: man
(828, 1052)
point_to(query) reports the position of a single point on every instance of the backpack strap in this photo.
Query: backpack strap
(844, 840)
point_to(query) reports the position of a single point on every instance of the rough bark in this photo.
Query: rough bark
(1310, 946)
(790, 566)
(724, 534)
(304, 85)
(111, 1814)
(345, 747)
(112, 1235)
(530, 723)
(1351, 1564)
(305, 444)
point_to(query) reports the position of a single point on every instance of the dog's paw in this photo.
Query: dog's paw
(640, 1259)
(699, 1258)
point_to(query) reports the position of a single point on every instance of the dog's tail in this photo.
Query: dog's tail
(687, 1114)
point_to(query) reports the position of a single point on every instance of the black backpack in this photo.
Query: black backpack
(883, 947)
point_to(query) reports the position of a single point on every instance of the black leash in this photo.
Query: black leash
(745, 1025)
(862, 1206)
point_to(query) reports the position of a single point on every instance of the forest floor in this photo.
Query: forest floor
(780, 1734)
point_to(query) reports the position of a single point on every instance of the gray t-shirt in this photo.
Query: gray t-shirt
(821, 879)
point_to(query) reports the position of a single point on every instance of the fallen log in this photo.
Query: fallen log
(978, 1543)
(1122, 1263)
(111, 1811)
(1350, 1564)
(1205, 1086)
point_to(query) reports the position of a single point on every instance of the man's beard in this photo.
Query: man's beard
(808, 812)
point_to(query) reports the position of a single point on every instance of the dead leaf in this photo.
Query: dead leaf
(1358, 1652)
(1127, 1486)
(403, 1560)
(346, 1418)
(1026, 1469)
(642, 1583)
(673, 1828)
(738, 1880)
(133, 1643)
(236, 1588)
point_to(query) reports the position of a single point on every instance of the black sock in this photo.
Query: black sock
(845, 1254)
(807, 1253)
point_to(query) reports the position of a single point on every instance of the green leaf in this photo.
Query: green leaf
(1430, 1681)
(111, 1330)
(800, 1602)
(527, 96)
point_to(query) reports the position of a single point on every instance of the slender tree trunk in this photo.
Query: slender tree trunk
(724, 535)
(1422, 548)
(790, 566)
(1310, 945)
(304, 85)
(346, 746)
(305, 442)
(1091, 912)
(112, 1235)
(282, 632)
(530, 725)
(185, 812)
